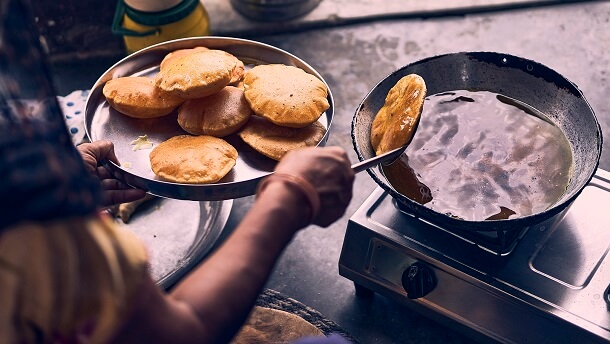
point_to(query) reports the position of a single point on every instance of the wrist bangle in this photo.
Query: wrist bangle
(298, 183)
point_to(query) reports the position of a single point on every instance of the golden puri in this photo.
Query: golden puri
(275, 141)
(395, 122)
(285, 95)
(139, 98)
(198, 75)
(219, 114)
(193, 159)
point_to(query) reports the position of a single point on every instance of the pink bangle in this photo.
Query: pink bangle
(300, 184)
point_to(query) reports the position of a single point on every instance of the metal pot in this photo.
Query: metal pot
(274, 10)
(518, 78)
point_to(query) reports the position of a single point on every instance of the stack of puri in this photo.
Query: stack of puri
(273, 108)
(287, 103)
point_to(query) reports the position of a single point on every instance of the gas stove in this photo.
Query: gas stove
(545, 283)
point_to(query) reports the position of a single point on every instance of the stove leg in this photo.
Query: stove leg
(363, 292)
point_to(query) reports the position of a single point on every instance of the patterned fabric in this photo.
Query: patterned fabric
(42, 176)
(73, 108)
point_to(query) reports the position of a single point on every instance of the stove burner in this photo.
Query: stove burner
(546, 283)
(500, 242)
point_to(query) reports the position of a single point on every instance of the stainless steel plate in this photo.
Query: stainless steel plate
(104, 123)
(177, 234)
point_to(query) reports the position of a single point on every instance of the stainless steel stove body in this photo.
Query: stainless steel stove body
(545, 283)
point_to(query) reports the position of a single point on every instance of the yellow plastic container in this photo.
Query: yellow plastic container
(142, 29)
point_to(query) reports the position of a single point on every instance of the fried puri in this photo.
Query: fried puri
(139, 98)
(176, 54)
(236, 75)
(193, 159)
(395, 122)
(197, 75)
(219, 114)
(275, 141)
(285, 95)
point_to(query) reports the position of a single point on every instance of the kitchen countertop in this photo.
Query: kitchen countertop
(572, 39)
(227, 22)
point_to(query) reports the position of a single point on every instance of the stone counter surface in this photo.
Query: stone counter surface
(75, 30)
(572, 39)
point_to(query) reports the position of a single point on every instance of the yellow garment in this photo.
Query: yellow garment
(66, 279)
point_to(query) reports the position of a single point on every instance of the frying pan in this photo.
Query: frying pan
(521, 79)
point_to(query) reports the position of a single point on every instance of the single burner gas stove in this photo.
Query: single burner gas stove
(545, 283)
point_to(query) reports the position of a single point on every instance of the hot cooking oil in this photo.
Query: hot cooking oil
(483, 156)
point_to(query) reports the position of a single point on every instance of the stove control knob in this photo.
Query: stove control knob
(418, 280)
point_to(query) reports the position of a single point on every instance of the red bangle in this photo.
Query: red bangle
(300, 184)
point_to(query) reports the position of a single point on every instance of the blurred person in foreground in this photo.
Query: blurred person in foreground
(69, 275)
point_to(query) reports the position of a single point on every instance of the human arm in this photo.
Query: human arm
(216, 298)
(113, 191)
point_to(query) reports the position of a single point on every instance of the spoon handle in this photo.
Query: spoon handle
(376, 160)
